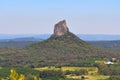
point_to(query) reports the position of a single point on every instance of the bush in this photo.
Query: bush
(77, 72)
(81, 72)
(82, 77)
(51, 73)
(108, 69)
(68, 72)
(114, 78)
(4, 72)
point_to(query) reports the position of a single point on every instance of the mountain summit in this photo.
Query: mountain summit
(62, 48)
(60, 28)
(62, 33)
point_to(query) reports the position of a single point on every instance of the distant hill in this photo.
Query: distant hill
(62, 48)
(98, 37)
(7, 37)
(86, 37)
(105, 41)
(19, 42)
(115, 44)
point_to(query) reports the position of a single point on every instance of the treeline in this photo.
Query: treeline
(109, 70)
(77, 72)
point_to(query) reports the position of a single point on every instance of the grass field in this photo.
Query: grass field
(68, 68)
(101, 77)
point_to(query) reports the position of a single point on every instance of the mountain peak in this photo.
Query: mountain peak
(60, 28)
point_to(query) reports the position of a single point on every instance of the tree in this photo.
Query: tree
(15, 76)
(36, 78)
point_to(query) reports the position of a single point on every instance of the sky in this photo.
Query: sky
(40, 16)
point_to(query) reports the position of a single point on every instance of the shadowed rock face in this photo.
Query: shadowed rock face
(60, 28)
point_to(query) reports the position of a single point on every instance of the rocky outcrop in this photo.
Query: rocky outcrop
(60, 28)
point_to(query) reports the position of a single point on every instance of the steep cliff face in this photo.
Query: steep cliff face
(60, 28)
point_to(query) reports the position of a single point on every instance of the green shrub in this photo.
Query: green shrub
(114, 78)
(81, 72)
(51, 73)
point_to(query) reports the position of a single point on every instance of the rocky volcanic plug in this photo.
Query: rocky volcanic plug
(60, 28)
(62, 48)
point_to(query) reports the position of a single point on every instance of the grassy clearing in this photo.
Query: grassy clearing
(90, 69)
(47, 68)
(101, 77)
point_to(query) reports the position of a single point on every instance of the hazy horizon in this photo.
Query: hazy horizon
(40, 16)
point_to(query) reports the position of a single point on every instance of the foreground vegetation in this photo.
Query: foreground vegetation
(78, 73)
(100, 72)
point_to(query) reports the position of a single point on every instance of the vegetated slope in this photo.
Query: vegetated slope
(62, 48)
(65, 50)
